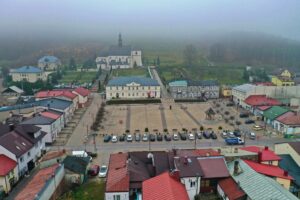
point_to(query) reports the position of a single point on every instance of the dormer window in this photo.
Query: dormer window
(23, 144)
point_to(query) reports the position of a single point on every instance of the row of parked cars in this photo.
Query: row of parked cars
(209, 134)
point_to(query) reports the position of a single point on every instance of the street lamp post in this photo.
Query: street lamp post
(94, 134)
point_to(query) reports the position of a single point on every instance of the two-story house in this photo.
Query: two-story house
(28, 73)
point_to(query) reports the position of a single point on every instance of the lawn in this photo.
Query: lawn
(80, 77)
(131, 72)
(91, 190)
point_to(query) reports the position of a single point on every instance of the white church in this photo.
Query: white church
(120, 57)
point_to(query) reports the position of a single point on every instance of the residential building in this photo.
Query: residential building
(282, 81)
(226, 91)
(228, 189)
(83, 95)
(164, 187)
(289, 148)
(12, 91)
(120, 57)
(28, 73)
(45, 185)
(49, 63)
(241, 92)
(132, 88)
(187, 89)
(270, 115)
(8, 173)
(275, 172)
(288, 123)
(255, 185)
(265, 155)
(55, 115)
(76, 169)
(254, 101)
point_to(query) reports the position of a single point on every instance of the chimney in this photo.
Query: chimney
(219, 151)
(11, 127)
(259, 156)
(236, 168)
(175, 174)
(266, 148)
(286, 173)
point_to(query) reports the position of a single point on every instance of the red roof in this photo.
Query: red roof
(197, 152)
(289, 118)
(118, 177)
(7, 165)
(266, 153)
(82, 91)
(264, 83)
(164, 187)
(263, 108)
(231, 189)
(30, 191)
(261, 100)
(53, 154)
(213, 167)
(50, 115)
(269, 170)
(55, 93)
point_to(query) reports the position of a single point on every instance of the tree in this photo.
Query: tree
(246, 75)
(158, 61)
(72, 64)
(190, 55)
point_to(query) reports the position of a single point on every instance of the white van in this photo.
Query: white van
(81, 154)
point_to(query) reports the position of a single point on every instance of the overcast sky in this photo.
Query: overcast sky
(184, 18)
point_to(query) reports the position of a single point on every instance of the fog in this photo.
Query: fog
(185, 19)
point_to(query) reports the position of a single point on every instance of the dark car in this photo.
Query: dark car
(93, 155)
(213, 135)
(249, 121)
(159, 137)
(182, 136)
(244, 115)
(122, 138)
(168, 137)
(230, 104)
(152, 137)
(106, 138)
(206, 134)
(94, 170)
(137, 137)
(237, 133)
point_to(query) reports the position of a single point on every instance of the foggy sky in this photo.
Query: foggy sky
(148, 18)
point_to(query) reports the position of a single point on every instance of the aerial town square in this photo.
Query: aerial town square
(149, 100)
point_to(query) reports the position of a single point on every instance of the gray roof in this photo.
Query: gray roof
(14, 89)
(49, 59)
(120, 51)
(257, 186)
(39, 120)
(203, 83)
(124, 80)
(244, 88)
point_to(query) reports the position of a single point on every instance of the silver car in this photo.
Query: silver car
(145, 137)
(103, 171)
(175, 136)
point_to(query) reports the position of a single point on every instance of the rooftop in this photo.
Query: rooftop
(124, 50)
(125, 80)
(39, 120)
(7, 165)
(188, 166)
(257, 186)
(274, 112)
(76, 164)
(244, 88)
(53, 154)
(213, 167)
(27, 69)
(48, 59)
(266, 153)
(14, 89)
(261, 100)
(289, 118)
(179, 83)
(263, 108)
(287, 163)
(50, 115)
(82, 91)
(56, 93)
(164, 187)
(295, 146)
(231, 189)
(268, 170)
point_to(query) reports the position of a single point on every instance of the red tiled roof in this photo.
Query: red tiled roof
(263, 108)
(37, 183)
(164, 187)
(197, 152)
(213, 167)
(261, 100)
(82, 91)
(55, 93)
(289, 118)
(231, 189)
(269, 170)
(118, 177)
(6, 165)
(266, 153)
(50, 115)
(53, 154)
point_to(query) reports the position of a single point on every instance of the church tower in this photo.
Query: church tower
(120, 40)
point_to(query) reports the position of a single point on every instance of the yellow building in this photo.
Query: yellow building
(226, 91)
(8, 173)
(282, 81)
(286, 73)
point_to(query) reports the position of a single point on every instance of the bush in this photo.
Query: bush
(226, 120)
(231, 117)
(220, 127)
(226, 113)
(238, 123)
(134, 101)
(127, 131)
(201, 128)
(146, 130)
(165, 130)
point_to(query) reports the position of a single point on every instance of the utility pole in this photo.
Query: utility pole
(195, 142)
(94, 134)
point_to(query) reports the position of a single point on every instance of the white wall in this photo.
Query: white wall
(191, 190)
(123, 195)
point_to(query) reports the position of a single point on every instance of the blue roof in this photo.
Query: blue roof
(124, 80)
(27, 69)
(181, 83)
(49, 59)
(39, 120)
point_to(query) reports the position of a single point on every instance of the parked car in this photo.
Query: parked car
(224, 134)
(252, 136)
(122, 138)
(249, 121)
(106, 138)
(152, 137)
(199, 135)
(168, 137)
(103, 171)
(94, 170)
(159, 137)
(137, 137)
(175, 137)
(230, 104)
(182, 136)
(257, 127)
(191, 136)
(234, 141)
(213, 135)
(231, 134)
(206, 134)
(244, 115)
(129, 138)
(145, 137)
(114, 139)
(237, 133)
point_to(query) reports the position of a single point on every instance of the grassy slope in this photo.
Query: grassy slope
(81, 77)
(131, 72)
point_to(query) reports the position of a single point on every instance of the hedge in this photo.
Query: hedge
(134, 101)
(189, 100)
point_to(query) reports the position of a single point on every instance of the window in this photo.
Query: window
(21, 159)
(137, 94)
(117, 197)
(192, 184)
(28, 154)
(204, 183)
